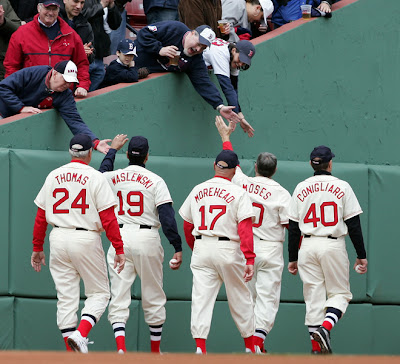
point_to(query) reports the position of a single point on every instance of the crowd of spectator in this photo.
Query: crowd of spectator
(86, 32)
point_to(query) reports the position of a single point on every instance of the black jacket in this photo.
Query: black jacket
(81, 25)
(93, 11)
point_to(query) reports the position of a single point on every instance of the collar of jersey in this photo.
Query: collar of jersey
(78, 161)
(222, 177)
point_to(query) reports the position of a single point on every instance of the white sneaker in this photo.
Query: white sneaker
(199, 351)
(257, 349)
(78, 343)
(248, 351)
(120, 351)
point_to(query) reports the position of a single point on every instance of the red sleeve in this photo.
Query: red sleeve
(110, 225)
(39, 230)
(13, 60)
(245, 230)
(227, 146)
(188, 228)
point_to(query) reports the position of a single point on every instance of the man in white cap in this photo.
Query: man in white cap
(241, 14)
(158, 43)
(41, 87)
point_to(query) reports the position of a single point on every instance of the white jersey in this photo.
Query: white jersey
(321, 204)
(270, 202)
(218, 57)
(215, 207)
(73, 195)
(139, 192)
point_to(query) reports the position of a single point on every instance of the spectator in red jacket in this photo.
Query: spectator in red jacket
(46, 40)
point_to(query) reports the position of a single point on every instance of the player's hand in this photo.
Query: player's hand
(119, 141)
(31, 110)
(227, 113)
(325, 8)
(178, 257)
(103, 147)
(363, 263)
(169, 51)
(119, 261)
(248, 272)
(224, 130)
(247, 128)
(37, 259)
(80, 92)
(292, 268)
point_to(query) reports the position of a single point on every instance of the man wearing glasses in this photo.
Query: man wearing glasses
(226, 60)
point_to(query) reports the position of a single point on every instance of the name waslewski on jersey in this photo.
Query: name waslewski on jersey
(132, 177)
(321, 187)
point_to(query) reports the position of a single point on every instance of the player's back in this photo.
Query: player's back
(73, 195)
(270, 202)
(216, 207)
(321, 204)
(139, 192)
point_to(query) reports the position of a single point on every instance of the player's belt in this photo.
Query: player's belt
(140, 226)
(221, 238)
(78, 228)
(329, 236)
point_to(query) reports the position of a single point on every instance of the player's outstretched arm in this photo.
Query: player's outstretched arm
(224, 130)
(37, 259)
(247, 128)
(119, 141)
(103, 147)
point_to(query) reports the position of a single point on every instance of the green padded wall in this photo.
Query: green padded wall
(5, 219)
(7, 331)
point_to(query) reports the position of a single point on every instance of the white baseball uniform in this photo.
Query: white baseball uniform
(72, 197)
(270, 202)
(320, 205)
(139, 192)
(215, 208)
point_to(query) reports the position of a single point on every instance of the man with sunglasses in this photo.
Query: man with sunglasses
(226, 60)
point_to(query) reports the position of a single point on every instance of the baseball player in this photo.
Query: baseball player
(218, 228)
(226, 60)
(144, 204)
(78, 202)
(270, 201)
(323, 209)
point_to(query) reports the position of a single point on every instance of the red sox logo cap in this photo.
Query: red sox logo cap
(68, 70)
(246, 51)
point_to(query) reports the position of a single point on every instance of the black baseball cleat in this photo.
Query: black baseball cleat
(322, 337)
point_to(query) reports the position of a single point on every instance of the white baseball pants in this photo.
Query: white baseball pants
(265, 286)
(214, 262)
(144, 256)
(74, 255)
(323, 266)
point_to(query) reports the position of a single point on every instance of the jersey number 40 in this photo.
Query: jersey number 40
(311, 216)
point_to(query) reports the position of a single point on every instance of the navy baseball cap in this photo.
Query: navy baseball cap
(246, 51)
(321, 154)
(127, 46)
(206, 35)
(227, 159)
(68, 70)
(47, 3)
(138, 146)
(80, 143)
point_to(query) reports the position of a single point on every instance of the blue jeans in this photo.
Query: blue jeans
(97, 73)
(157, 14)
(118, 34)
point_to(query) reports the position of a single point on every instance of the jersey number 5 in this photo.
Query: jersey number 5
(311, 215)
(78, 203)
(130, 200)
(202, 210)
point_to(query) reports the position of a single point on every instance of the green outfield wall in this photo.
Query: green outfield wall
(332, 82)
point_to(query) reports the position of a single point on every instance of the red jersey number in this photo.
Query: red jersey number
(133, 199)
(212, 209)
(261, 217)
(78, 203)
(311, 215)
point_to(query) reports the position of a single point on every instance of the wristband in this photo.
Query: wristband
(219, 107)
(95, 143)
